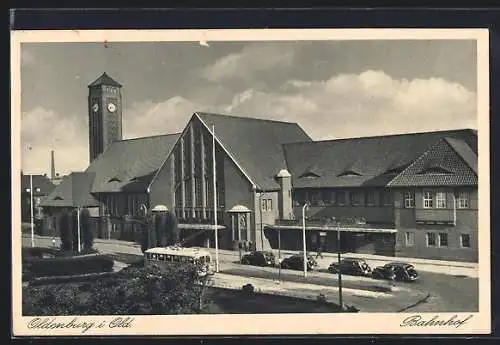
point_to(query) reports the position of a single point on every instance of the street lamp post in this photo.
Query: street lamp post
(32, 223)
(304, 249)
(279, 255)
(339, 271)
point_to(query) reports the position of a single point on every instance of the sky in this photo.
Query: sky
(332, 89)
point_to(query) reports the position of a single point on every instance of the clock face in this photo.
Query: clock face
(95, 107)
(111, 107)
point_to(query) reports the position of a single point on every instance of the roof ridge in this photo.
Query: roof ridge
(149, 137)
(380, 136)
(247, 118)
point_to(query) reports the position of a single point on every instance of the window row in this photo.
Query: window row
(266, 205)
(343, 198)
(436, 199)
(433, 239)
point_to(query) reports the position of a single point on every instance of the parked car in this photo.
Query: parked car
(350, 266)
(400, 271)
(296, 262)
(259, 258)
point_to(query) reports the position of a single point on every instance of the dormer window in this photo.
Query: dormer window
(58, 198)
(348, 173)
(114, 179)
(435, 170)
(309, 175)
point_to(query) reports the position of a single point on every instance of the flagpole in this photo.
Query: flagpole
(215, 201)
(31, 204)
(78, 222)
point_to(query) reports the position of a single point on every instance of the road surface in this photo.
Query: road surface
(448, 293)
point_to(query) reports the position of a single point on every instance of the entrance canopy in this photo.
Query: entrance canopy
(200, 227)
(335, 229)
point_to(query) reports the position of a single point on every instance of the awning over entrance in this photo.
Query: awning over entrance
(200, 227)
(335, 229)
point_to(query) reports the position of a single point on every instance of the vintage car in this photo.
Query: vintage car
(259, 258)
(400, 271)
(351, 266)
(296, 262)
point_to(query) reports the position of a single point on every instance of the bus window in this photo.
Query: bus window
(161, 257)
(154, 257)
(168, 258)
(191, 260)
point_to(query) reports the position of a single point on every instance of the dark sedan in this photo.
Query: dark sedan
(349, 266)
(259, 258)
(400, 271)
(296, 262)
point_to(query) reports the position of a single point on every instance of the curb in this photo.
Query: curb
(423, 300)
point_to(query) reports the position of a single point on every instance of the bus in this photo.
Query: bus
(201, 258)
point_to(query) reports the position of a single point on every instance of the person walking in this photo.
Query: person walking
(319, 253)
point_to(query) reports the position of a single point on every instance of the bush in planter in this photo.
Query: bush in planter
(66, 233)
(73, 265)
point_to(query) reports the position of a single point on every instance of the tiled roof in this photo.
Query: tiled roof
(105, 79)
(377, 160)
(464, 151)
(129, 165)
(256, 144)
(39, 181)
(73, 191)
(441, 165)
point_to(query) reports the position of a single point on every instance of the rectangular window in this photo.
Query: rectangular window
(355, 199)
(328, 197)
(428, 199)
(443, 239)
(440, 200)
(410, 239)
(386, 197)
(341, 198)
(314, 197)
(463, 200)
(269, 204)
(263, 204)
(198, 192)
(465, 240)
(431, 239)
(370, 198)
(409, 200)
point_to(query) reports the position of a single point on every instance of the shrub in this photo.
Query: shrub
(88, 236)
(72, 265)
(66, 234)
(132, 291)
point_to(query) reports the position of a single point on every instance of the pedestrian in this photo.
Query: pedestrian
(319, 254)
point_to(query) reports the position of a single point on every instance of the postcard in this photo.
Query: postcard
(250, 182)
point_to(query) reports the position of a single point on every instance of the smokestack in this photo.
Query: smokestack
(52, 165)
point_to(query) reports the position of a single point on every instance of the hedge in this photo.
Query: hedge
(73, 265)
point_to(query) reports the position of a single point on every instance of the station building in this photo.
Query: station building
(407, 195)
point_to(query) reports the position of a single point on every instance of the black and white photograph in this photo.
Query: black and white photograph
(250, 182)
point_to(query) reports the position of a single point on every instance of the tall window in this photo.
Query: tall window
(266, 204)
(409, 239)
(465, 240)
(431, 239)
(409, 200)
(198, 192)
(440, 200)
(443, 239)
(328, 197)
(386, 198)
(428, 199)
(341, 198)
(355, 199)
(463, 200)
(370, 198)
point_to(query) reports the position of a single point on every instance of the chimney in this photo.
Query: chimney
(52, 166)
(285, 195)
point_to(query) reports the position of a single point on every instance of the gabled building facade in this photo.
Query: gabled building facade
(402, 195)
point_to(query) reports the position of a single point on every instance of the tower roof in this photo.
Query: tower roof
(105, 79)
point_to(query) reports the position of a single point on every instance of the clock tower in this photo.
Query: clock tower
(105, 114)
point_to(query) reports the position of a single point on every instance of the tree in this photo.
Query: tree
(66, 233)
(88, 235)
(74, 227)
